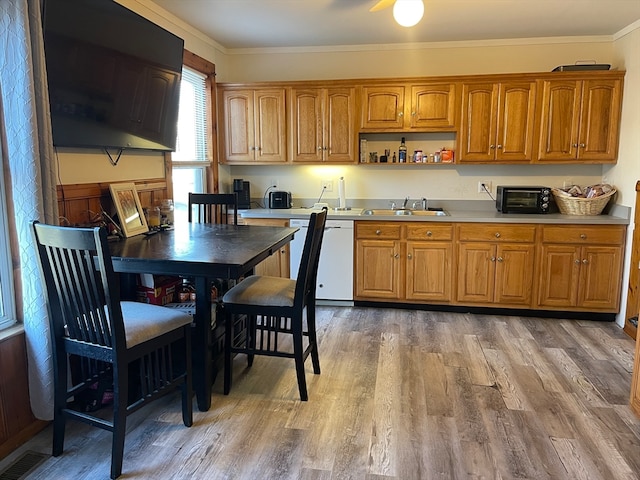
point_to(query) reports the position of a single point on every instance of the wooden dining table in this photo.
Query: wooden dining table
(202, 252)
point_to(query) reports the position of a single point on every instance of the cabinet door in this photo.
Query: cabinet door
(559, 274)
(433, 107)
(429, 271)
(476, 272)
(600, 277)
(516, 113)
(277, 264)
(378, 269)
(478, 123)
(340, 137)
(307, 125)
(237, 121)
(270, 126)
(383, 107)
(600, 117)
(560, 119)
(514, 274)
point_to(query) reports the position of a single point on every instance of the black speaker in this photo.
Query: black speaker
(241, 188)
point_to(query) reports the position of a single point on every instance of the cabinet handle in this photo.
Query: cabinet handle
(492, 146)
(583, 236)
(378, 232)
(401, 114)
(499, 147)
(413, 114)
(500, 259)
(397, 255)
(585, 261)
(575, 145)
(497, 234)
(319, 149)
(577, 261)
(493, 259)
(409, 256)
(582, 145)
(429, 233)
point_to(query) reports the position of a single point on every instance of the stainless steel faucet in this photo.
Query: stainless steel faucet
(404, 204)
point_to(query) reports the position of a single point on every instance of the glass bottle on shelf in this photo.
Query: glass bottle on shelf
(402, 152)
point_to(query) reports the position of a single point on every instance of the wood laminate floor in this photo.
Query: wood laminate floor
(403, 395)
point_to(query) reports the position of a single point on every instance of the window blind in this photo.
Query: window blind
(192, 118)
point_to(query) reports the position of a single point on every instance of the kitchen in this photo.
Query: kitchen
(375, 182)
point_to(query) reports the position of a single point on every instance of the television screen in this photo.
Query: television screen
(114, 77)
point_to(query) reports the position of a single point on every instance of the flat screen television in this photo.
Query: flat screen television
(114, 77)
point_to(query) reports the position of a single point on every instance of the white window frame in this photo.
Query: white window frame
(7, 300)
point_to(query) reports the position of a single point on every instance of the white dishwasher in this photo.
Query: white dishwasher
(335, 270)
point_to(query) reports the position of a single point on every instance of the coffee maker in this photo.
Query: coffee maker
(241, 188)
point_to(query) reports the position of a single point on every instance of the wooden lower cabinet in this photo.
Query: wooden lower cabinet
(277, 265)
(403, 261)
(495, 264)
(635, 382)
(581, 267)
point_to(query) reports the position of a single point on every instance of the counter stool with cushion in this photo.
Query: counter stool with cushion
(276, 306)
(144, 349)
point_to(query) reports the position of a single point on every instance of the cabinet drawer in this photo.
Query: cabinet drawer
(584, 234)
(377, 230)
(496, 232)
(429, 231)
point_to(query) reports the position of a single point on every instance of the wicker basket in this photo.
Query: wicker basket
(581, 206)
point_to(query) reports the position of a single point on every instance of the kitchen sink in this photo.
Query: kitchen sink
(405, 211)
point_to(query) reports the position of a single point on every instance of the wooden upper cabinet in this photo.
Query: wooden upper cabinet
(383, 107)
(497, 123)
(254, 124)
(412, 107)
(323, 125)
(434, 106)
(580, 120)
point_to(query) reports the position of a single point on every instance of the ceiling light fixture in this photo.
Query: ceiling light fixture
(408, 12)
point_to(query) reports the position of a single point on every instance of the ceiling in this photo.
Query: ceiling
(237, 24)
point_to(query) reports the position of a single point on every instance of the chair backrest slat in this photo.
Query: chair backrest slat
(213, 207)
(78, 276)
(308, 271)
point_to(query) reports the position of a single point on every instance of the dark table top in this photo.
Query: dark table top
(225, 251)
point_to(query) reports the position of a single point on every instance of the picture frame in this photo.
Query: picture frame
(130, 213)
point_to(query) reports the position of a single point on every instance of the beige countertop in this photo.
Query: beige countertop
(459, 211)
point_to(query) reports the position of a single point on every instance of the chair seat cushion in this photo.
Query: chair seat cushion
(143, 321)
(263, 291)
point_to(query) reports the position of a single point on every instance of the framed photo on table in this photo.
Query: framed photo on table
(130, 212)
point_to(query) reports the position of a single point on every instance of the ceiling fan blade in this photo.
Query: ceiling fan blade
(382, 4)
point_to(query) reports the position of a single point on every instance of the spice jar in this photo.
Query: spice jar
(153, 217)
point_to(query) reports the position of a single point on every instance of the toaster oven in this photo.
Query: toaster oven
(523, 199)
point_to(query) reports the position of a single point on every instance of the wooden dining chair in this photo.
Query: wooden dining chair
(275, 307)
(143, 349)
(213, 207)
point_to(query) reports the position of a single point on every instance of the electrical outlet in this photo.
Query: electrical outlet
(482, 184)
(327, 185)
(273, 183)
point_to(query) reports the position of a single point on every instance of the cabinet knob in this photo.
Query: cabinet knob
(409, 256)
(397, 255)
(497, 234)
(413, 114)
(499, 147)
(378, 232)
(575, 145)
(500, 259)
(401, 114)
(577, 261)
(585, 261)
(493, 259)
(583, 236)
(582, 145)
(319, 149)
(492, 146)
(429, 233)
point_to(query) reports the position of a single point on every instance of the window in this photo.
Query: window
(7, 308)
(191, 159)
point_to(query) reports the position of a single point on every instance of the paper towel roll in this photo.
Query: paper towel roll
(341, 196)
